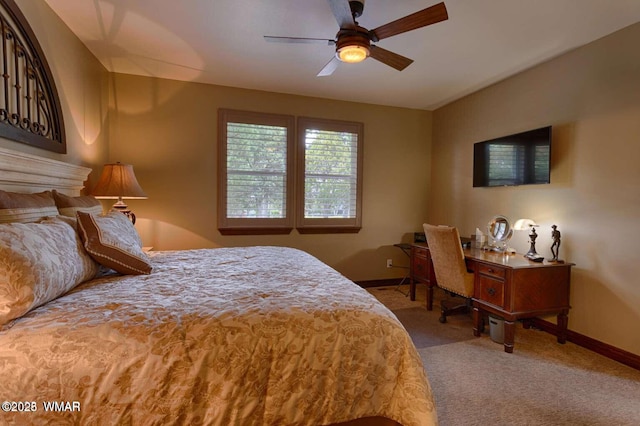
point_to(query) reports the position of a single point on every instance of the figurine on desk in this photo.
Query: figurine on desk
(555, 247)
(532, 254)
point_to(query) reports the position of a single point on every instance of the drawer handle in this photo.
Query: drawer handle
(491, 270)
(491, 291)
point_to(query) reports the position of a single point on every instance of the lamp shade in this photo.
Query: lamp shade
(524, 224)
(118, 181)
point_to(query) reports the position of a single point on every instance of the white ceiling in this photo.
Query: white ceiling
(220, 42)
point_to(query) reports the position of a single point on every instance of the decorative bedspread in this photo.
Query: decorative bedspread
(231, 336)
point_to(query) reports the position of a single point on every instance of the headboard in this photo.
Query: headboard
(21, 172)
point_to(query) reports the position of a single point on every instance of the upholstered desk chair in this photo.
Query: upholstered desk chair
(450, 268)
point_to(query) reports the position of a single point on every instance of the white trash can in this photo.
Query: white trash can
(496, 329)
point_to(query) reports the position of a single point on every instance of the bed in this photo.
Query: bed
(243, 336)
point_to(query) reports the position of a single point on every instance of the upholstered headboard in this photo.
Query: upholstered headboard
(21, 172)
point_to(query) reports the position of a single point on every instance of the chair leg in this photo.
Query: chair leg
(452, 307)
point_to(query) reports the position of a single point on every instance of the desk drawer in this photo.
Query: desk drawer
(491, 290)
(420, 268)
(491, 271)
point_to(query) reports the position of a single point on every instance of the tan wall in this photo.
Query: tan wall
(167, 130)
(592, 98)
(81, 82)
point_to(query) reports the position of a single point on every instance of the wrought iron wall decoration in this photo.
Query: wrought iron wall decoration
(30, 109)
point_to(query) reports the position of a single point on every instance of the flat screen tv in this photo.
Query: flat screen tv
(519, 159)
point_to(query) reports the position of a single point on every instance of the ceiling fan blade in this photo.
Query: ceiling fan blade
(329, 68)
(276, 39)
(428, 16)
(387, 57)
(342, 11)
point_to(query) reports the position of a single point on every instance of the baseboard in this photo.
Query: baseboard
(604, 349)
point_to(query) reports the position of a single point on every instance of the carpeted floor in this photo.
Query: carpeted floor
(542, 383)
(427, 333)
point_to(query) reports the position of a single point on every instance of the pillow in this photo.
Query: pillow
(39, 262)
(113, 242)
(24, 208)
(68, 206)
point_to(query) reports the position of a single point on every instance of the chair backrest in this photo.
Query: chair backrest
(448, 259)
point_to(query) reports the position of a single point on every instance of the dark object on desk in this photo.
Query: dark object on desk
(466, 242)
(419, 237)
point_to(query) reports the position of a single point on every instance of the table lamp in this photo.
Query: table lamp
(118, 181)
(523, 224)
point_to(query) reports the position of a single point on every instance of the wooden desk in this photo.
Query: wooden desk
(509, 286)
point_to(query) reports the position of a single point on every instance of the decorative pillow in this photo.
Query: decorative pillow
(113, 242)
(24, 208)
(39, 262)
(68, 206)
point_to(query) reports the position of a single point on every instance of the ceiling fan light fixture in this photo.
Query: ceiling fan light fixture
(352, 53)
(353, 42)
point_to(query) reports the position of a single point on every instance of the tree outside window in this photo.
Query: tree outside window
(330, 171)
(255, 172)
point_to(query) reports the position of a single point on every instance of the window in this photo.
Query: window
(329, 177)
(255, 179)
(257, 174)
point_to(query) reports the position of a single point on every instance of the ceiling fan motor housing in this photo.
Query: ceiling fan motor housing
(357, 6)
(353, 42)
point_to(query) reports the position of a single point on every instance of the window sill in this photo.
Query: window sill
(329, 229)
(254, 231)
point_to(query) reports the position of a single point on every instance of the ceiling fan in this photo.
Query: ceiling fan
(353, 42)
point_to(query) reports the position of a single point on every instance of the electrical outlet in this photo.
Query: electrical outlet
(389, 263)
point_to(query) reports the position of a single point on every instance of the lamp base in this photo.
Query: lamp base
(535, 257)
(532, 254)
(122, 208)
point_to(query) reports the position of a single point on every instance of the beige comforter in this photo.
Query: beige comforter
(232, 336)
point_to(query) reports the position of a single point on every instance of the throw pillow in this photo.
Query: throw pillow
(113, 242)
